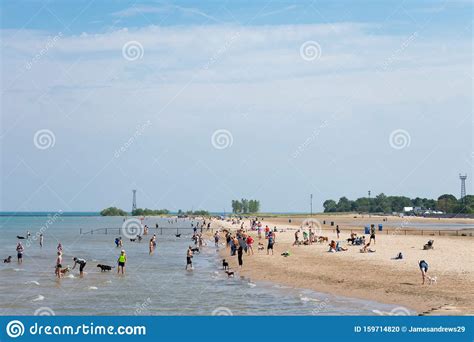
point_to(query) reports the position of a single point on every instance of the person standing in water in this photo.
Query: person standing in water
(59, 261)
(82, 264)
(122, 259)
(189, 258)
(41, 240)
(19, 252)
(151, 246)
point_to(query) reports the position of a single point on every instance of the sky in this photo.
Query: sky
(198, 103)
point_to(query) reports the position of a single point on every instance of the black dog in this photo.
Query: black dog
(7, 260)
(20, 237)
(133, 240)
(104, 268)
(229, 274)
(195, 250)
(225, 264)
(177, 235)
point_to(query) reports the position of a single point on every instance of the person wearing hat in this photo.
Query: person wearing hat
(122, 259)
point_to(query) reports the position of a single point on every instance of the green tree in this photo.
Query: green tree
(448, 203)
(330, 206)
(113, 211)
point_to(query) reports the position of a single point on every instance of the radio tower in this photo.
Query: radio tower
(134, 201)
(463, 186)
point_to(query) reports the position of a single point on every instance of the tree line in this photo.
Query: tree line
(113, 211)
(387, 204)
(245, 206)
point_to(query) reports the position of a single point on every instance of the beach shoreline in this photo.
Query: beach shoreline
(368, 276)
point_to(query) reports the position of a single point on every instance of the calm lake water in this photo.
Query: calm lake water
(153, 284)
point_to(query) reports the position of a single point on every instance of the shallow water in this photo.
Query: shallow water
(153, 284)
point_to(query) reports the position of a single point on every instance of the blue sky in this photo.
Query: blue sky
(332, 98)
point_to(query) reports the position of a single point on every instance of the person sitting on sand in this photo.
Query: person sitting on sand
(340, 248)
(352, 238)
(297, 238)
(332, 246)
(424, 269)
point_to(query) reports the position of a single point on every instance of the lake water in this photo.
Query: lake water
(153, 284)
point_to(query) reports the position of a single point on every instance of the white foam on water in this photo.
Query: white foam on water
(32, 282)
(18, 269)
(71, 276)
(251, 284)
(93, 288)
(37, 299)
(308, 299)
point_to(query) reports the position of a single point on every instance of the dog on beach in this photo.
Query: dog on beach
(104, 268)
(65, 270)
(195, 250)
(7, 260)
(229, 274)
(432, 280)
(133, 240)
(322, 239)
(261, 247)
(177, 235)
(225, 264)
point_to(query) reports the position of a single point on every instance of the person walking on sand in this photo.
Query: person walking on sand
(271, 242)
(122, 259)
(216, 239)
(424, 269)
(59, 261)
(19, 252)
(240, 253)
(372, 233)
(338, 231)
(82, 265)
(297, 238)
(189, 258)
(249, 245)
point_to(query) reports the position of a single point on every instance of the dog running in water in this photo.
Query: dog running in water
(7, 260)
(229, 274)
(104, 268)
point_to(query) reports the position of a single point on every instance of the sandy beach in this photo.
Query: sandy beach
(372, 276)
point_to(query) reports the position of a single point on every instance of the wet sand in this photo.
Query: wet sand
(371, 276)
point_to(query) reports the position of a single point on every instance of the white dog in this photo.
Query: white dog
(432, 280)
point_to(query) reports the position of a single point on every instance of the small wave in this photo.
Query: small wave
(71, 276)
(37, 299)
(251, 284)
(32, 282)
(308, 299)
(18, 269)
(93, 288)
